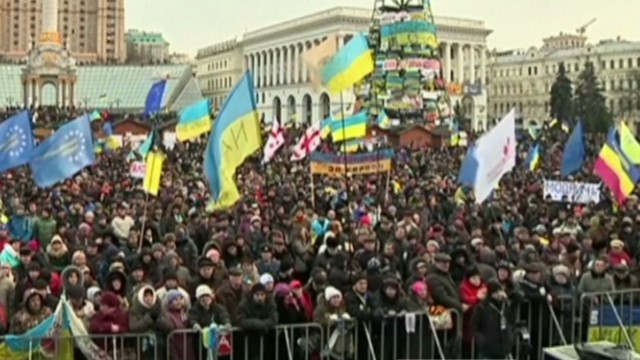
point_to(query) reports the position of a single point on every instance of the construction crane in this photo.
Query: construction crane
(581, 30)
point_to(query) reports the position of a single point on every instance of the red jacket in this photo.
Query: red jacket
(101, 325)
(618, 258)
(469, 296)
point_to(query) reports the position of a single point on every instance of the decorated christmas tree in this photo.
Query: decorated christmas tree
(407, 83)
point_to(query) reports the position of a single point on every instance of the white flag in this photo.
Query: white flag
(274, 142)
(496, 155)
(308, 143)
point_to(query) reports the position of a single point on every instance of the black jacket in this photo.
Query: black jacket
(443, 290)
(256, 317)
(493, 340)
(205, 317)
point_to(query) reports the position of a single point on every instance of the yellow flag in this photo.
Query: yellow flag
(316, 57)
(629, 144)
(153, 173)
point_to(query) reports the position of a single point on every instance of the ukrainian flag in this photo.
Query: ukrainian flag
(111, 142)
(194, 121)
(352, 146)
(236, 134)
(351, 64)
(325, 127)
(383, 120)
(629, 145)
(153, 175)
(533, 159)
(352, 128)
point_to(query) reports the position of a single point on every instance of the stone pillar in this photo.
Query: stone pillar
(459, 75)
(259, 63)
(483, 66)
(291, 50)
(305, 72)
(62, 85)
(268, 68)
(447, 61)
(281, 59)
(296, 64)
(472, 64)
(340, 41)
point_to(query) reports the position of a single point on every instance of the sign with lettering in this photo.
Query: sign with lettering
(603, 325)
(354, 164)
(137, 169)
(573, 192)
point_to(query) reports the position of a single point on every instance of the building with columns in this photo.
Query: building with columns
(219, 67)
(282, 82)
(523, 79)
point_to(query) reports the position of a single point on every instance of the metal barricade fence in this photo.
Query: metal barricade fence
(290, 342)
(100, 347)
(603, 315)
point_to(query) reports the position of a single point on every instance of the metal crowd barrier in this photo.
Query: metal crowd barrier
(577, 318)
(412, 335)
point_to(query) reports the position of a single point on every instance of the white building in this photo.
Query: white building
(218, 68)
(273, 54)
(523, 79)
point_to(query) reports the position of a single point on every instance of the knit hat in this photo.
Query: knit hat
(281, 290)
(561, 270)
(203, 290)
(266, 279)
(110, 299)
(331, 292)
(172, 295)
(418, 287)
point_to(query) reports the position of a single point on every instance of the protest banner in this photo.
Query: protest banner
(356, 164)
(137, 169)
(573, 192)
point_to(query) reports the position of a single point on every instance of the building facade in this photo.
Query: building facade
(146, 47)
(523, 79)
(218, 68)
(93, 30)
(282, 81)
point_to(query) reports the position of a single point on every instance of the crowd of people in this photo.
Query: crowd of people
(362, 252)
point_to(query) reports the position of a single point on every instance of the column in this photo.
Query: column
(459, 75)
(290, 54)
(304, 77)
(252, 68)
(483, 66)
(296, 64)
(63, 91)
(472, 64)
(447, 61)
(268, 68)
(258, 70)
(340, 41)
(281, 59)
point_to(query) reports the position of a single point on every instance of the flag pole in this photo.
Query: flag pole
(146, 193)
(344, 152)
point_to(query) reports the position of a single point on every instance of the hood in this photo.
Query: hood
(67, 272)
(212, 245)
(415, 262)
(140, 295)
(92, 292)
(113, 275)
(63, 249)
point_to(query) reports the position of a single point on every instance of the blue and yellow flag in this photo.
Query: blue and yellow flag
(351, 64)
(95, 115)
(67, 151)
(194, 121)
(629, 145)
(533, 158)
(325, 127)
(383, 120)
(351, 146)
(147, 144)
(351, 128)
(111, 142)
(236, 134)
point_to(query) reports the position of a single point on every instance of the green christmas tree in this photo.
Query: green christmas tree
(562, 96)
(590, 103)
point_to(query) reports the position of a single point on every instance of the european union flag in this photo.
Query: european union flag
(574, 152)
(67, 151)
(16, 141)
(154, 98)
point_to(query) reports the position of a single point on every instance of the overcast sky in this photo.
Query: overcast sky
(515, 23)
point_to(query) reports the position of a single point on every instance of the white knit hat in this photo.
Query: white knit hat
(203, 290)
(266, 278)
(331, 292)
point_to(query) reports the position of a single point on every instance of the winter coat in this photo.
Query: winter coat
(469, 295)
(216, 314)
(180, 346)
(230, 299)
(10, 256)
(143, 318)
(58, 259)
(329, 317)
(44, 229)
(593, 282)
(443, 289)
(493, 341)
(25, 320)
(21, 227)
(256, 317)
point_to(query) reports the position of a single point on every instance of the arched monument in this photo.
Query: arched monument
(49, 62)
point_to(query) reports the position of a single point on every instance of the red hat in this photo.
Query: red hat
(295, 284)
(110, 299)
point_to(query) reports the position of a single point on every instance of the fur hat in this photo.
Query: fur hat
(331, 292)
(203, 290)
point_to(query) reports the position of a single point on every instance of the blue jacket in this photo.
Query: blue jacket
(21, 227)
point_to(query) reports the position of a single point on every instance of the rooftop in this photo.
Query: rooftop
(138, 36)
(608, 47)
(110, 86)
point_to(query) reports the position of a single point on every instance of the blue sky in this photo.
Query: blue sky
(192, 24)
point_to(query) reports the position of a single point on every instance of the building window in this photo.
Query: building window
(630, 83)
(576, 67)
(621, 64)
(613, 85)
(603, 65)
(638, 62)
(621, 84)
(630, 63)
(612, 64)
